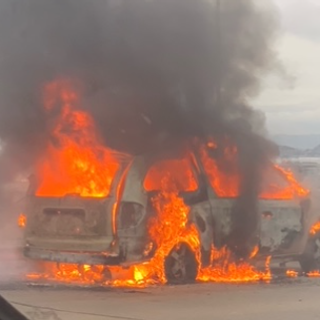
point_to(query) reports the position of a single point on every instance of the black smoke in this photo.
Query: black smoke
(152, 69)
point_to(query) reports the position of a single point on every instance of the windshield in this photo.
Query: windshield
(160, 159)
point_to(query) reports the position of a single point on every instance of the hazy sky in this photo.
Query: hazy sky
(295, 109)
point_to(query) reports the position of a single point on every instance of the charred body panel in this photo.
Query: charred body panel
(73, 230)
(70, 217)
(281, 224)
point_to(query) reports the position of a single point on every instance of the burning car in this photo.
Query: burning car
(114, 230)
(163, 214)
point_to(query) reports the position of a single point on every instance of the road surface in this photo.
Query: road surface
(293, 299)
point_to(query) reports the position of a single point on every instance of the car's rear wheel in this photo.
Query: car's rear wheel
(310, 259)
(181, 265)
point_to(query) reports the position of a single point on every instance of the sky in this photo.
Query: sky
(292, 103)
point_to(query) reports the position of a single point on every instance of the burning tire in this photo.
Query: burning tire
(310, 259)
(181, 265)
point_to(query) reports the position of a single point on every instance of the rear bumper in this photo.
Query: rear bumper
(90, 258)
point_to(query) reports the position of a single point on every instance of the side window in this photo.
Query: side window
(279, 184)
(221, 169)
(178, 171)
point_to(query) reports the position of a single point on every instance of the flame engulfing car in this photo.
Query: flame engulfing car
(113, 230)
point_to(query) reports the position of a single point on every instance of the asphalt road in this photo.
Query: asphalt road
(284, 298)
(287, 299)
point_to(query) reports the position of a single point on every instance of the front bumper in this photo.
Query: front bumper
(91, 258)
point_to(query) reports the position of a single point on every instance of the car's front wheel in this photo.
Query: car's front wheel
(181, 265)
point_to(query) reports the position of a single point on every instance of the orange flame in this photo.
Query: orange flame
(292, 274)
(166, 230)
(315, 229)
(225, 182)
(291, 190)
(70, 273)
(223, 173)
(76, 163)
(169, 228)
(180, 173)
(22, 220)
(223, 269)
(254, 252)
(314, 274)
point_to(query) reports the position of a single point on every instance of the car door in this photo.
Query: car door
(281, 226)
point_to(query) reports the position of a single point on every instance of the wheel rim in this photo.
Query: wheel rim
(180, 264)
(178, 268)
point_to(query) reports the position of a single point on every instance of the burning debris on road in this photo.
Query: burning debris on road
(134, 118)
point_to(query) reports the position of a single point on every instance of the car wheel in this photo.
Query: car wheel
(310, 259)
(181, 265)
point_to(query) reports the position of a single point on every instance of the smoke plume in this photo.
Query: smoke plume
(150, 68)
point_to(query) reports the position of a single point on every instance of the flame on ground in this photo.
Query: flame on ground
(76, 162)
(224, 269)
(314, 274)
(292, 273)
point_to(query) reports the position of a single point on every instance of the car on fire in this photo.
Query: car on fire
(114, 230)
